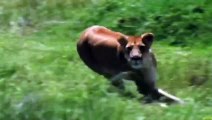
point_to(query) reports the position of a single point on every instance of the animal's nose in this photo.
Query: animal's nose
(136, 58)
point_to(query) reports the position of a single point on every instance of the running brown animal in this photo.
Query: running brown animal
(118, 56)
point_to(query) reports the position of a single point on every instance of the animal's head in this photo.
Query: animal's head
(135, 48)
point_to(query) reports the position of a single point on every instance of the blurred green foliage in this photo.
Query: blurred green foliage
(42, 77)
(176, 22)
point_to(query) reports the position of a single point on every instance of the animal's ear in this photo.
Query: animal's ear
(122, 41)
(147, 39)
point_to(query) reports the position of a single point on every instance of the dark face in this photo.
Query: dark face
(135, 48)
(134, 51)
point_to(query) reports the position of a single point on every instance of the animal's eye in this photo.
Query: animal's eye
(142, 48)
(129, 48)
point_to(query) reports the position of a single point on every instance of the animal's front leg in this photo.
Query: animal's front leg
(146, 83)
(117, 80)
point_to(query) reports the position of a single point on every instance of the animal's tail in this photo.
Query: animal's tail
(166, 97)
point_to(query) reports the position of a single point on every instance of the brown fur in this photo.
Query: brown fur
(118, 56)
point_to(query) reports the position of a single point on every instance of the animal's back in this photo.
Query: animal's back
(99, 49)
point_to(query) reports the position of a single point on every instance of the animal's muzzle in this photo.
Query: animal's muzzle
(136, 58)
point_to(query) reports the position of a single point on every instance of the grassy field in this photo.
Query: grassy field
(42, 77)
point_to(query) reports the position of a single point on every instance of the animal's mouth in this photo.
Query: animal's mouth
(136, 64)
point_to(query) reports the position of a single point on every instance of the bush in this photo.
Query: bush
(172, 21)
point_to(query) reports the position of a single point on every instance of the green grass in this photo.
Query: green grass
(42, 78)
